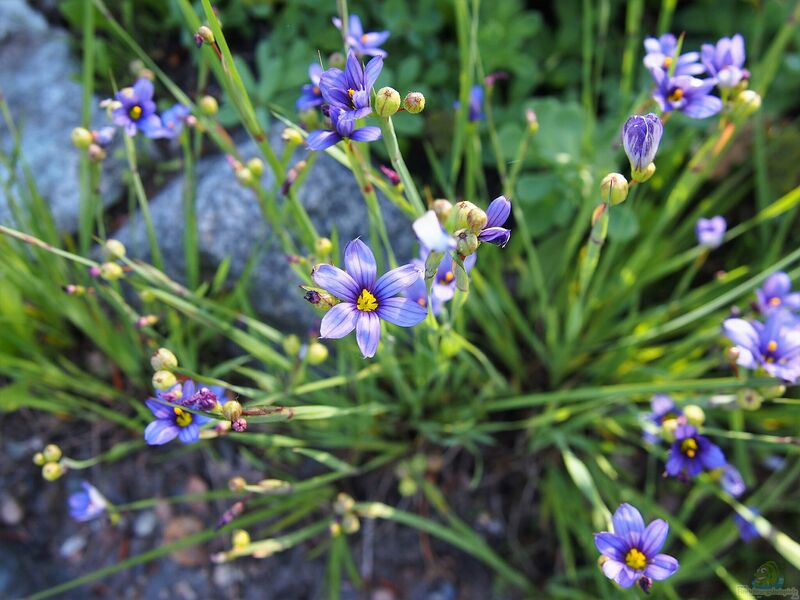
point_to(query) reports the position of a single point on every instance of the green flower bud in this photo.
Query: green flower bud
(614, 188)
(164, 380)
(38, 459)
(147, 296)
(350, 523)
(466, 242)
(291, 345)
(51, 453)
(442, 208)
(407, 487)
(237, 484)
(52, 471)
(114, 249)
(245, 176)
(694, 415)
(323, 246)
(208, 106)
(256, 167)
(343, 504)
(232, 410)
(96, 153)
(668, 428)
(463, 209)
(642, 175)
(111, 271)
(163, 359)
(335, 529)
(82, 138)
(291, 136)
(387, 102)
(239, 539)
(476, 220)
(773, 391)
(317, 353)
(746, 103)
(414, 102)
(749, 399)
(205, 34)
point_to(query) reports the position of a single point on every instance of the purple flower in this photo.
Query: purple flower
(725, 61)
(498, 212)
(632, 551)
(366, 300)
(747, 531)
(418, 291)
(350, 89)
(86, 504)
(310, 93)
(103, 136)
(663, 408)
(475, 112)
(138, 111)
(691, 453)
(776, 294)
(710, 232)
(443, 287)
(685, 93)
(363, 44)
(431, 234)
(774, 345)
(172, 420)
(641, 136)
(661, 55)
(343, 128)
(172, 122)
(732, 481)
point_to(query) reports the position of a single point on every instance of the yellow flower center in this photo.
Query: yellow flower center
(182, 418)
(448, 277)
(775, 301)
(772, 346)
(364, 38)
(351, 92)
(635, 559)
(135, 112)
(667, 62)
(676, 95)
(366, 301)
(689, 447)
(316, 90)
(422, 302)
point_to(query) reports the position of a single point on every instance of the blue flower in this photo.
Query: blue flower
(497, 214)
(773, 346)
(711, 232)
(363, 44)
(686, 94)
(431, 234)
(747, 531)
(350, 89)
(776, 294)
(310, 93)
(172, 420)
(103, 136)
(725, 61)
(692, 453)
(87, 504)
(365, 298)
(732, 481)
(343, 128)
(632, 551)
(641, 136)
(443, 287)
(661, 55)
(475, 112)
(137, 111)
(172, 122)
(663, 408)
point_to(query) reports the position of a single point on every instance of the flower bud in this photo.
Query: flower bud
(239, 425)
(476, 220)
(466, 242)
(52, 471)
(643, 175)
(51, 453)
(746, 103)
(463, 209)
(668, 428)
(232, 410)
(335, 529)
(111, 271)
(291, 345)
(256, 167)
(407, 487)
(208, 106)
(82, 138)
(146, 321)
(350, 523)
(343, 504)
(442, 208)
(749, 399)
(147, 296)
(114, 249)
(239, 539)
(533, 121)
(323, 246)
(414, 102)
(387, 102)
(96, 153)
(245, 176)
(773, 391)
(317, 353)
(38, 459)
(163, 359)
(164, 380)
(641, 136)
(694, 415)
(237, 484)
(205, 34)
(74, 290)
(614, 188)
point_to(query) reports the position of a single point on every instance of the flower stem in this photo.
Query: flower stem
(393, 148)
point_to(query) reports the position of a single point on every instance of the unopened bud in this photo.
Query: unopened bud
(205, 34)
(344, 503)
(668, 428)
(164, 380)
(442, 208)
(733, 354)
(291, 345)
(52, 471)
(82, 138)
(533, 121)
(463, 209)
(749, 399)
(239, 539)
(317, 353)
(323, 246)
(232, 410)
(245, 176)
(74, 290)
(746, 103)
(38, 459)
(476, 220)
(335, 529)
(773, 391)
(146, 321)
(237, 484)
(208, 106)
(163, 359)
(256, 167)
(414, 102)
(290, 135)
(466, 242)
(350, 523)
(407, 487)
(147, 296)
(694, 415)
(642, 175)
(114, 249)
(614, 188)
(336, 59)
(111, 271)
(96, 153)
(387, 102)
(239, 425)
(51, 453)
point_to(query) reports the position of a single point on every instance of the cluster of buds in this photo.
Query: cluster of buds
(345, 519)
(110, 270)
(94, 142)
(247, 174)
(232, 411)
(388, 102)
(469, 222)
(164, 363)
(50, 461)
(291, 176)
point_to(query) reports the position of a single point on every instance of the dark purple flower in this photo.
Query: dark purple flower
(310, 93)
(773, 346)
(632, 551)
(475, 112)
(776, 294)
(663, 408)
(692, 453)
(686, 94)
(732, 481)
(498, 212)
(172, 420)
(710, 232)
(87, 504)
(641, 136)
(343, 128)
(366, 300)
(725, 61)
(350, 89)
(747, 531)
(137, 111)
(363, 44)
(172, 122)
(661, 55)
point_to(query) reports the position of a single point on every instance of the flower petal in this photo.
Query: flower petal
(401, 311)
(703, 106)
(742, 333)
(653, 537)
(322, 139)
(368, 333)
(498, 236)
(711, 456)
(431, 234)
(339, 321)
(661, 567)
(160, 432)
(498, 211)
(611, 545)
(366, 134)
(628, 523)
(143, 90)
(627, 577)
(395, 281)
(612, 569)
(372, 71)
(359, 262)
(159, 410)
(336, 281)
(189, 434)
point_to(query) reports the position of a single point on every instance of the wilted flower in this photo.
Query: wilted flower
(710, 232)
(747, 531)
(776, 294)
(343, 128)
(725, 61)
(137, 111)
(350, 89)
(310, 93)
(661, 55)
(641, 136)
(692, 453)
(365, 300)
(363, 44)
(732, 481)
(663, 409)
(172, 122)
(774, 345)
(631, 552)
(686, 94)
(497, 214)
(87, 504)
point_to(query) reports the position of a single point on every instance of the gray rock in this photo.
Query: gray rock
(230, 225)
(37, 80)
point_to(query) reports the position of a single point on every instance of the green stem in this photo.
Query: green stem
(393, 148)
